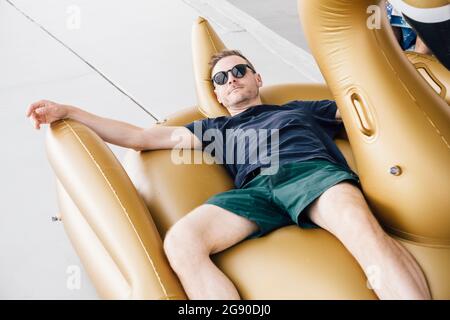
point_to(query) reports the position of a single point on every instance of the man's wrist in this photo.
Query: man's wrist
(70, 111)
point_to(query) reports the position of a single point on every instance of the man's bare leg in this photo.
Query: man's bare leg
(343, 211)
(206, 230)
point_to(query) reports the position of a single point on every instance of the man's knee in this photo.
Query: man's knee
(183, 243)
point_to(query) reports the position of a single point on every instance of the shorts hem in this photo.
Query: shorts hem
(259, 233)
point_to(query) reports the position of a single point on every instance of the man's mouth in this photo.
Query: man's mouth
(236, 88)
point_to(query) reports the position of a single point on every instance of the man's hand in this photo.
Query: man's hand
(45, 111)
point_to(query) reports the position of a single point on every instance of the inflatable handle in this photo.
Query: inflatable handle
(442, 89)
(363, 117)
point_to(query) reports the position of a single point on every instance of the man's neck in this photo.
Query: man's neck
(244, 105)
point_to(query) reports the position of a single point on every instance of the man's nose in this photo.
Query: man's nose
(231, 78)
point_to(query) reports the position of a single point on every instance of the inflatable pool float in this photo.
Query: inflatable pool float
(397, 134)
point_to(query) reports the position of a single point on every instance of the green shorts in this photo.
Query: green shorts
(273, 201)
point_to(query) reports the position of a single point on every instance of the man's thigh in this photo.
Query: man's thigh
(216, 227)
(342, 210)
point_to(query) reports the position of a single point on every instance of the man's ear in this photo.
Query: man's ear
(259, 80)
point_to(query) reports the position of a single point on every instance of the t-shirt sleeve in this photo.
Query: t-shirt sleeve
(324, 114)
(197, 127)
(191, 125)
(324, 109)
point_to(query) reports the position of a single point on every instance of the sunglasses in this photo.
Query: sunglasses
(238, 71)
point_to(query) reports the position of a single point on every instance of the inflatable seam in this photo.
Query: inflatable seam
(418, 239)
(215, 50)
(210, 39)
(121, 205)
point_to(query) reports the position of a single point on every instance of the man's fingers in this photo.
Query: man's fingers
(40, 110)
(35, 123)
(35, 105)
(32, 107)
(38, 114)
(36, 120)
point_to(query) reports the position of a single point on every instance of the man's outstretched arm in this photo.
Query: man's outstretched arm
(112, 131)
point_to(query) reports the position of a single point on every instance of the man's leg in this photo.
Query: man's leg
(206, 230)
(343, 211)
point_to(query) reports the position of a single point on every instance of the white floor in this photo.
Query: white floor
(279, 16)
(101, 55)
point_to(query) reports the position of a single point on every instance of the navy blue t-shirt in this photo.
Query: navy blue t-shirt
(268, 136)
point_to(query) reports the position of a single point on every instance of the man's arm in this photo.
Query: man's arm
(167, 137)
(112, 131)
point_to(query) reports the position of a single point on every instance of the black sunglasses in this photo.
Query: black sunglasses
(238, 71)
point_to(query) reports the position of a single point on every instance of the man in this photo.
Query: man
(313, 185)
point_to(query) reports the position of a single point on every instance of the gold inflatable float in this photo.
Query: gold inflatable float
(397, 135)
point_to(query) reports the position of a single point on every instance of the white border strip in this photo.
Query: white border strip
(425, 15)
(219, 11)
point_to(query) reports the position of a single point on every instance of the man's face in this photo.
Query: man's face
(236, 90)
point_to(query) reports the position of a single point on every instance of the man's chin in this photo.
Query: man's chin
(236, 101)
